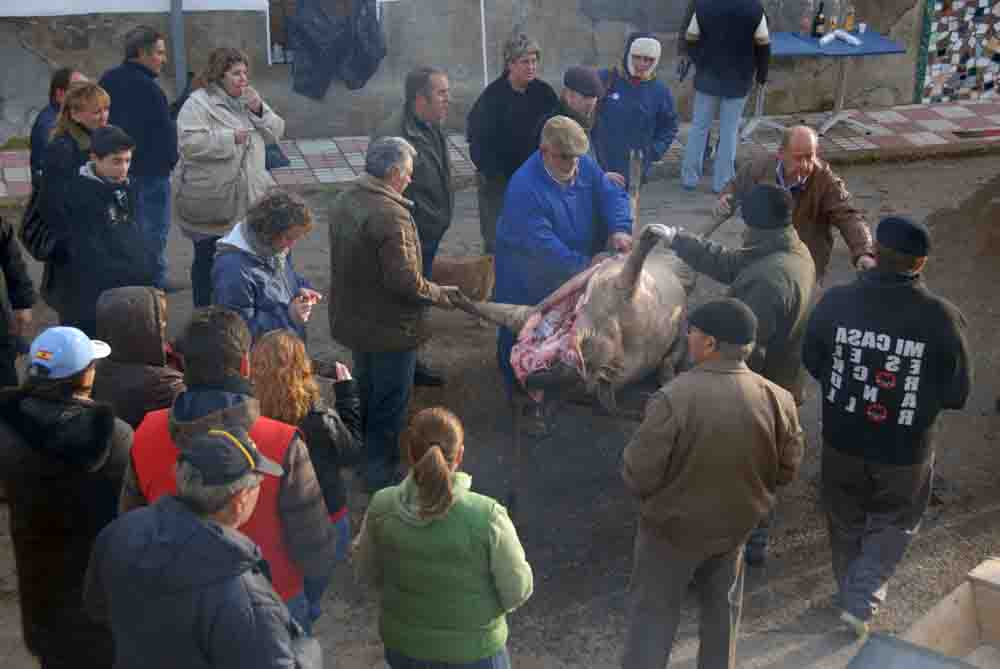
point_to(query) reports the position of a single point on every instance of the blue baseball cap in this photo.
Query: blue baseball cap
(64, 351)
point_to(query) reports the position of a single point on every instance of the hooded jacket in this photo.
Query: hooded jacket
(181, 591)
(335, 439)
(62, 464)
(102, 247)
(303, 536)
(448, 581)
(633, 114)
(257, 287)
(16, 288)
(136, 377)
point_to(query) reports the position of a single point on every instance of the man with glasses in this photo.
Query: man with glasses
(556, 206)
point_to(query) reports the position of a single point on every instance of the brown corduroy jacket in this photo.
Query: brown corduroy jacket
(822, 205)
(705, 463)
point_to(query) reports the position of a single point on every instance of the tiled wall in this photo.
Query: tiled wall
(963, 50)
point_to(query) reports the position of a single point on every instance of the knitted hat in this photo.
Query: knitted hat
(727, 319)
(903, 235)
(767, 207)
(565, 134)
(519, 45)
(584, 80)
(647, 46)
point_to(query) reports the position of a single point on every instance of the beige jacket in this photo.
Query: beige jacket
(206, 129)
(715, 444)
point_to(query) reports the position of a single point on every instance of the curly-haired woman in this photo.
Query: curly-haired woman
(222, 129)
(284, 385)
(253, 273)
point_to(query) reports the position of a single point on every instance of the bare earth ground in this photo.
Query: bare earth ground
(575, 518)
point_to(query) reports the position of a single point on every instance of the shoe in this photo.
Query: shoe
(171, 286)
(860, 627)
(755, 552)
(425, 376)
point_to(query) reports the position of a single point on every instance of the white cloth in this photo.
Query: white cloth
(644, 46)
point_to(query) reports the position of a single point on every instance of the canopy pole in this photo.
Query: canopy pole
(482, 26)
(177, 41)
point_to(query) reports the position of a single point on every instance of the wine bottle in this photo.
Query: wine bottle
(819, 22)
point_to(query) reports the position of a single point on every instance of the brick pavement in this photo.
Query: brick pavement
(897, 131)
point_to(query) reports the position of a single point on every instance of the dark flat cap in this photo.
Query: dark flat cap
(727, 319)
(767, 207)
(584, 80)
(903, 235)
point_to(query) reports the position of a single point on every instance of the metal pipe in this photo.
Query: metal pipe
(177, 42)
(482, 30)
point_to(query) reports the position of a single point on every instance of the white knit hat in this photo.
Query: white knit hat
(644, 46)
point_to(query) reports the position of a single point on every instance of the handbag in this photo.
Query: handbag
(33, 233)
(202, 200)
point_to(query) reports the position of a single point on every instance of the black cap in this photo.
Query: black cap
(584, 80)
(727, 319)
(110, 139)
(225, 456)
(903, 235)
(767, 207)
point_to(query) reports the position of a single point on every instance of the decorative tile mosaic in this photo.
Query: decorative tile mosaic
(963, 50)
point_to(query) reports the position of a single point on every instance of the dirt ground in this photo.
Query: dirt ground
(575, 517)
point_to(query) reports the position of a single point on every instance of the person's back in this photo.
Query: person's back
(137, 377)
(725, 53)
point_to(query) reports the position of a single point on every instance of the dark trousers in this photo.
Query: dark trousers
(201, 271)
(399, 661)
(660, 577)
(8, 362)
(152, 211)
(490, 192)
(428, 251)
(385, 380)
(873, 512)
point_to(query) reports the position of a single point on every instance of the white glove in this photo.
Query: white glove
(865, 262)
(660, 231)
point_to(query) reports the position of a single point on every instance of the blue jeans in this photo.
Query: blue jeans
(152, 211)
(399, 661)
(429, 249)
(315, 587)
(706, 107)
(385, 380)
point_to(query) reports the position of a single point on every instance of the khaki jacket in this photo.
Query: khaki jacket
(206, 130)
(379, 296)
(706, 461)
(824, 204)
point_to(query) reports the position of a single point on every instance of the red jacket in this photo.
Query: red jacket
(154, 455)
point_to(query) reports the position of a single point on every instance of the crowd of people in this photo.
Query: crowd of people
(205, 474)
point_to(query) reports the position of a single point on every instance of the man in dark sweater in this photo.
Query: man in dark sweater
(140, 108)
(728, 41)
(41, 130)
(502, 128)
(889, 355)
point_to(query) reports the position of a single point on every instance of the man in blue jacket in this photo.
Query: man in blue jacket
(547, 230)
(636, 113)
(41, 130)
(140, 108)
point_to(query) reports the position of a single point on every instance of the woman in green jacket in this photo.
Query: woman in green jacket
(447, 560)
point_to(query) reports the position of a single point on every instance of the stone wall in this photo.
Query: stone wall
(447, 33)
(963, 50)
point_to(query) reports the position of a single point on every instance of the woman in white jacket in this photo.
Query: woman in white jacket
(223, 128)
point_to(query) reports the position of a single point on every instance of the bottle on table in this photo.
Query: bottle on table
(850, 19)
(819, 22)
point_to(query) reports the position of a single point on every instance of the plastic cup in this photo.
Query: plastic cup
(862, 28)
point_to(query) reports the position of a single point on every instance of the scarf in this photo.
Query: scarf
(264, 250)
(235, 105)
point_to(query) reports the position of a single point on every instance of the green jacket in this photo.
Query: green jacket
(774, 274)
(430, 190)
(446, 582)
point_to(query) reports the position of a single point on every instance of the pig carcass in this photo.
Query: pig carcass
(611, 325)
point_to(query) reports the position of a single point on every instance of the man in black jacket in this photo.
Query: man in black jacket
(214, 605)
(502, 127)
(140, 108)
(728, 41)
(890, 356)
(17, 295)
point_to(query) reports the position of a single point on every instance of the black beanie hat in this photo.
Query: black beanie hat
(767, 207)
(903, 235)
(727, 319)
(584, 80)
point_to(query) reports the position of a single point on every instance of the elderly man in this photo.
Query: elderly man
(380, 297)
(291, 523)
(705, 464)
(41, 129)
(774, 275)
(502, 127)
(822, 201)
(215, 606)
(889, 355)
(420, 123)
(557, 205)
(582, 88)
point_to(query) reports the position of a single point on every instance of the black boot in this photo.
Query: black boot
(425, 376)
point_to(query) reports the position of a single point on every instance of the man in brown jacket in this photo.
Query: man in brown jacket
(379, 301)
(715, 444)
(822, 201)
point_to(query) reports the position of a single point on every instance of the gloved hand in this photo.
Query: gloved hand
(666, 233)
(450, 297)
(683, 66)
(864, 263)
(723, 208)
